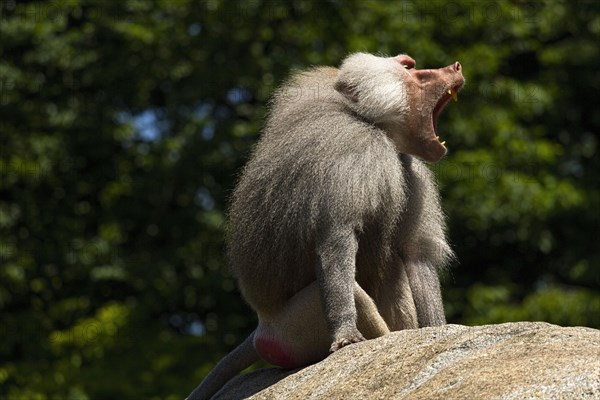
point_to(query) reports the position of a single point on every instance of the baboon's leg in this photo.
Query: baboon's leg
(298, 334)
(425, 287)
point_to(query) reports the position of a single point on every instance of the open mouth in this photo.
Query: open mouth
(451, 93)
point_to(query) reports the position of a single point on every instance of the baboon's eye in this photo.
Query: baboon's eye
(405, 61)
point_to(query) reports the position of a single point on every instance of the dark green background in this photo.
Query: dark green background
(123, 125)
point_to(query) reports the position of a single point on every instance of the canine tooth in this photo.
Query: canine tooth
(437, 137)
(453, 93)
(443, 143)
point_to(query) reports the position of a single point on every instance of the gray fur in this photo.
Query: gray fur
(328, 197)
(318, 176)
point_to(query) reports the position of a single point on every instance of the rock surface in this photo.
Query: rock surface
(524, 360)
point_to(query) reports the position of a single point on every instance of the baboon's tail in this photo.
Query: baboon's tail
(232, 364)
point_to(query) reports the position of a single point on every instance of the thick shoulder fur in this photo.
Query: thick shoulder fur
(307, 89)
(315, 165)
(314, 147)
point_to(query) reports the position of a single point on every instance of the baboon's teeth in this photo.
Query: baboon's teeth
(453, 93)
(443, 143)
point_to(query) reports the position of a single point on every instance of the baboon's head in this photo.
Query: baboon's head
(404, 101)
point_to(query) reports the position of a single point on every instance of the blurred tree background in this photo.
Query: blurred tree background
(123, 125)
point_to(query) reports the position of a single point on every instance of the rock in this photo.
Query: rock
(523, 360)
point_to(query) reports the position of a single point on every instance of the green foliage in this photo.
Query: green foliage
(123, 126)
(492, 304)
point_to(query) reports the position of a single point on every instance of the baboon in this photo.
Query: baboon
(335, 231)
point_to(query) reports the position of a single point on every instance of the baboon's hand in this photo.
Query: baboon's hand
(346, 338)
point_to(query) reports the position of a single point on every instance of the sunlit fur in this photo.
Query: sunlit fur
(331, 229)
(318, 167)
(383, 94)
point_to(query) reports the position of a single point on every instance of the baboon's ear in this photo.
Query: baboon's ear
(347, 89)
